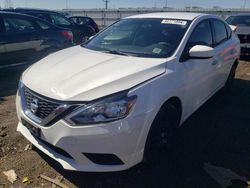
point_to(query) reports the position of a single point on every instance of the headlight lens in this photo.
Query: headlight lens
(110, 109)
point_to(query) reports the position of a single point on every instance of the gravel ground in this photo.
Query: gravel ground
(219, 133)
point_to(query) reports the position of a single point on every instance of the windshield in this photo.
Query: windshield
(147, 37)
(239, 20)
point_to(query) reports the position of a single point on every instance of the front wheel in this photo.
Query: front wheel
(161, 134)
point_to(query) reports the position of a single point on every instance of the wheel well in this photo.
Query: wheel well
(176, 102)
(236, 63)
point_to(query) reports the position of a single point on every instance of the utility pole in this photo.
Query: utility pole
(106, 3)
(67, 5)
(166, 3)
(245, 3)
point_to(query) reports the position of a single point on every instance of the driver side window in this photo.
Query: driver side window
(202, 35)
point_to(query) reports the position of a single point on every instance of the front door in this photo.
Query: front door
(199, 72)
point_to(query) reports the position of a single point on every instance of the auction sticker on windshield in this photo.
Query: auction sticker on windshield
(176, 22)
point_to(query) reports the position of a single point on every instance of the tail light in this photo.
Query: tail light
(68, 35)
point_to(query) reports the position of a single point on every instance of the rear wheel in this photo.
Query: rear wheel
(231, 76)
(161, 135)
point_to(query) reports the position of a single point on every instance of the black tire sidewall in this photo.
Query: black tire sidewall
(167, 119)
(230, 78)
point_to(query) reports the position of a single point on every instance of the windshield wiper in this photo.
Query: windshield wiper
(117, 52)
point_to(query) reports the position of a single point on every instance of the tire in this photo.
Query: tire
(161, 135)
(231, 76)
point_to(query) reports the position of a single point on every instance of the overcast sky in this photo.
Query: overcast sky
(59, 4)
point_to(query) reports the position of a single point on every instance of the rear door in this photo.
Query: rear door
(22, 36)
(226, 52)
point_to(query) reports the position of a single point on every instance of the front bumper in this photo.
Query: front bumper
(120, 138)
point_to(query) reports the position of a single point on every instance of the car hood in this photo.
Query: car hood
(79, 74)
(242, 30)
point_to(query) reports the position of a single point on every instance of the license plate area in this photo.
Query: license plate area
(35, 131)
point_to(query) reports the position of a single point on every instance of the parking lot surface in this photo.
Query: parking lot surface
(218, 133)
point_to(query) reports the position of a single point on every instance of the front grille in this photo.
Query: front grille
(45, 107)
(244, 38)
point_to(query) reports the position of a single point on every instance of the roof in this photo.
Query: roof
(33, 10)
(24, 15)
(13, 13)
(172, 15)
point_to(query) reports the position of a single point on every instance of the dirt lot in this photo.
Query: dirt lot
(218, 133)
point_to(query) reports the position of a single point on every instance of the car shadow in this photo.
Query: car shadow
(218, 133)
(9, 79)
(245, 58)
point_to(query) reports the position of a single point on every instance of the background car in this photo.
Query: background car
(26, 38)
(81, 32)
(84, 20)
(242, 21)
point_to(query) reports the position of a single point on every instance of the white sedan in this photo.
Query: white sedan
(118, 99)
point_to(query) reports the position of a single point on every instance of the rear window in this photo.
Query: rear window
(74, 19)
(84, 20)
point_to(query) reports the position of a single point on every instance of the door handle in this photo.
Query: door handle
(215, 62)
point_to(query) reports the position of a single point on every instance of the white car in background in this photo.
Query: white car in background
(118, 99)
(241, 25)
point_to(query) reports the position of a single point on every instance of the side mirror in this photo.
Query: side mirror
(201, 52)
(233, 27)
(86, 38)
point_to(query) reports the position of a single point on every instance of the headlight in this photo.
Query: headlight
(108, 109)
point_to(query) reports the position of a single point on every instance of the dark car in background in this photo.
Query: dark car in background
(81, 32)
(85, 20)
(26, 39)
(242, 21)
